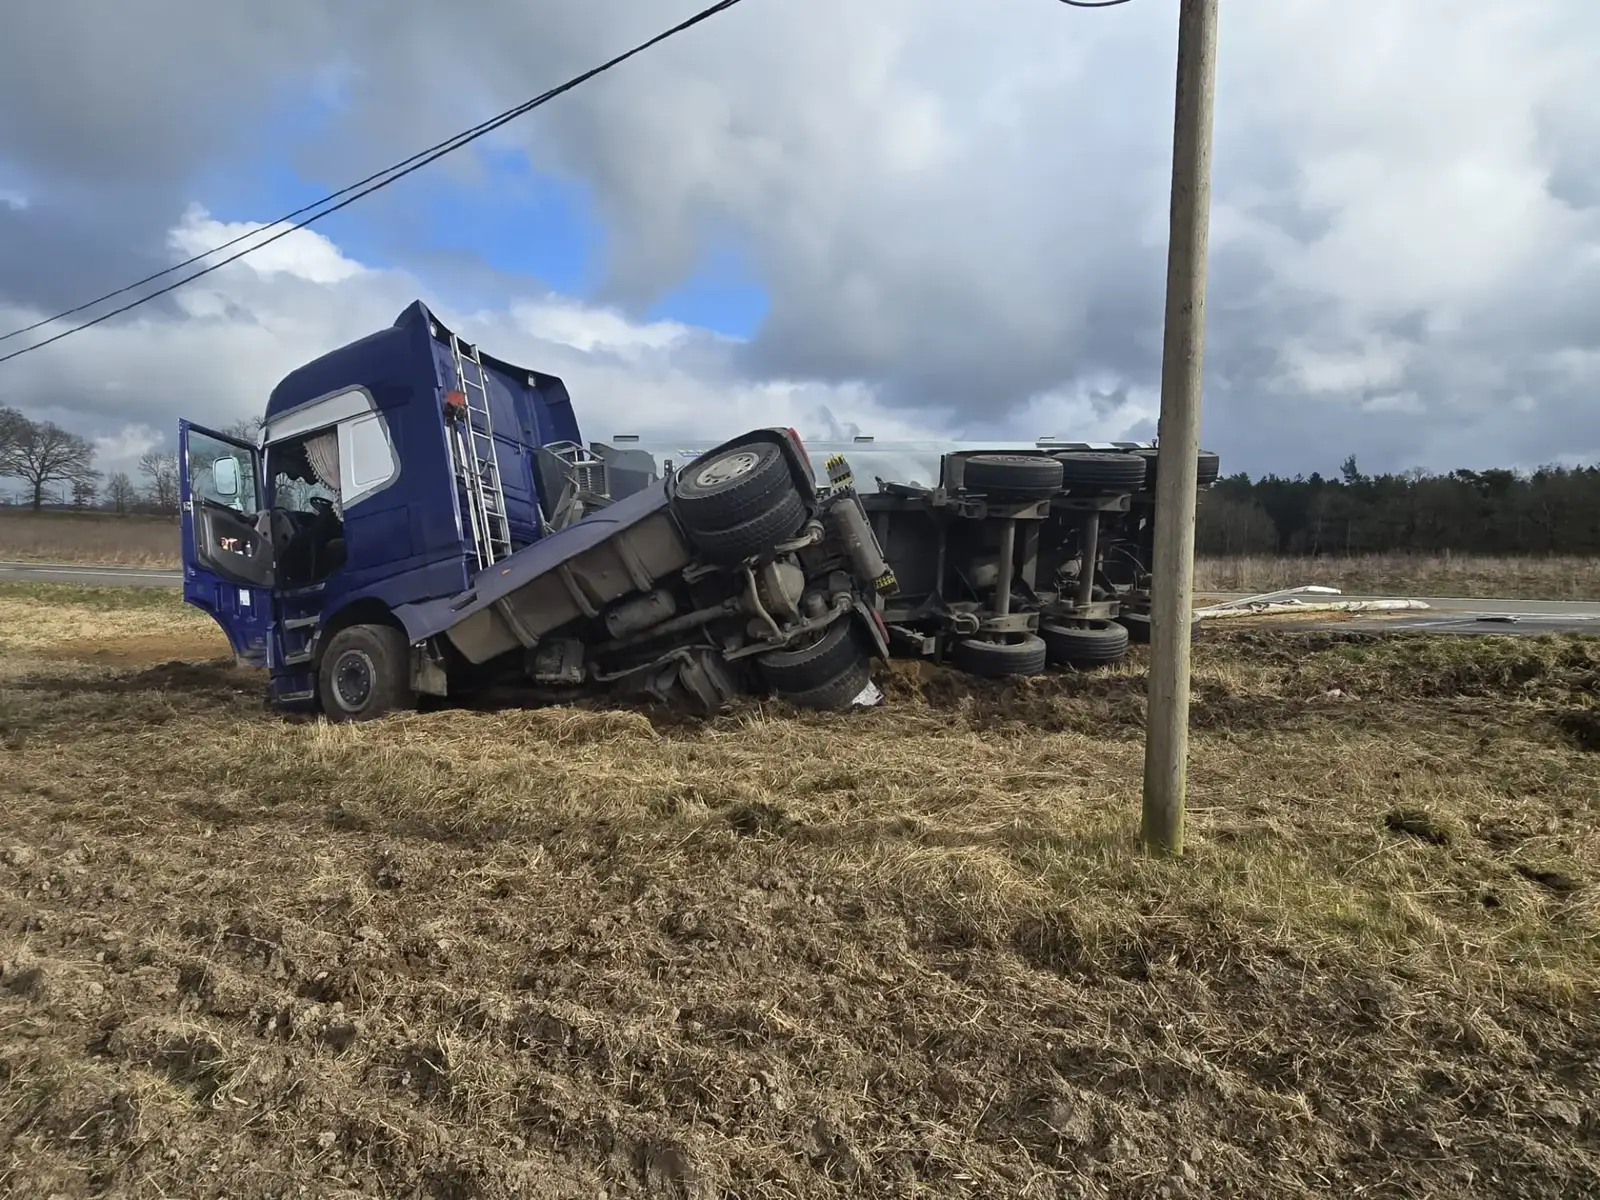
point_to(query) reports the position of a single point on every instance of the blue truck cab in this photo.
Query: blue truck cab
(416, 516)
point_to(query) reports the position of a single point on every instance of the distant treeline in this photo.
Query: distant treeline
(1555, 510)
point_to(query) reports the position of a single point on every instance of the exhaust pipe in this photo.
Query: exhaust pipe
(851, 527)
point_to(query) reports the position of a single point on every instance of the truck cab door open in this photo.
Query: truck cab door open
(227, 562)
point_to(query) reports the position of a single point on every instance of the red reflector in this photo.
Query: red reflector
(804, 453)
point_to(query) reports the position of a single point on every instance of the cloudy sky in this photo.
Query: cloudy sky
(939, 217)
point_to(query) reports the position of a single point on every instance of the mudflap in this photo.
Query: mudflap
(428, 675)
(871, 624)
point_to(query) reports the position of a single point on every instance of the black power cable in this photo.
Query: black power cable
(352, 193)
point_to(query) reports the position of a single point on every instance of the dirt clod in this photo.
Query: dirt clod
(1559, 882)
(1417, 823)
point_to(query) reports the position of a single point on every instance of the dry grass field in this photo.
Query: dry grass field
(96, 538)
(153, 542)
(907, 952)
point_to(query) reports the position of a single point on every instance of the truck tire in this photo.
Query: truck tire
(733, 487)
(1000, 660)
(1101, 472)
(1208, 467)
(1026, 475)
(836, 694)
(755, 536)
(1138, 627)
(365, 673)
(799, 669)
(1097, 645)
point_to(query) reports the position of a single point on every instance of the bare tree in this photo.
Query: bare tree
(246, 429)
(12, 425)
(121, 495)
(43, 453)
(160, 468)
(84, 491)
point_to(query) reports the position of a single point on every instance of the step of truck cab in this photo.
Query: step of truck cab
(293, 688)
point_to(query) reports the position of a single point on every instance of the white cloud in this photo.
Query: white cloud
(1394, 402)
(302, 253)
(587, 329)
(121, 450)
(236, 332)
(1374, 362)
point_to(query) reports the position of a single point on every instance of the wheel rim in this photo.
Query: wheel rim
(352, 680)
(725, 469)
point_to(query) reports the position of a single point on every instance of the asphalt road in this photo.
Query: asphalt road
(89, 576)
(1449, 614)
(1445, 614)
(1495, 623)
(1455, 604)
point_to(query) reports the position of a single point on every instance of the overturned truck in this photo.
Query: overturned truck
(418, 518)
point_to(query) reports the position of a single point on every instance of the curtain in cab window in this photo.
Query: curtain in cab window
(323, 452)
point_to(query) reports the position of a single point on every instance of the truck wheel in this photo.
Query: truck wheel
(1101, 472)
(1000, 660)
(1024, 475)
(735, 486)
(1208, 467)
(366, 673)
(1097, 645)
(801, 668)
(755, 536)
(836, 694)
(1138, 627)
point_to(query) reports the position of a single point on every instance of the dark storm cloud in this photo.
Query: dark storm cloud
(55, 256)
(962, 206)
(107, 111)
(106, 92)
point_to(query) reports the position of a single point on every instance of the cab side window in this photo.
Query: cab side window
(220, 474)
(367, 461)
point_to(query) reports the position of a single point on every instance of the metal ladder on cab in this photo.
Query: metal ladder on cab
(477, 462)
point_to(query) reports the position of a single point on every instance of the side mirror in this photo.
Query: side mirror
(225, 476)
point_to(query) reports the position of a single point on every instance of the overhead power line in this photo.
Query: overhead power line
(351, 194)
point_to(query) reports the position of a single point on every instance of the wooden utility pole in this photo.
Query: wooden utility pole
(1172, 569)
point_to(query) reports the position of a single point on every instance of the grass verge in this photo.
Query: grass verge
(912, 951)
(1555, 578)
(97, 539)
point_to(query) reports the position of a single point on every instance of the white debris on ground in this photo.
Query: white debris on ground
(1288, 600)
(869, 697)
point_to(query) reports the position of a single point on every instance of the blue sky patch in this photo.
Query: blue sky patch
(475, 238)
(723, 295)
